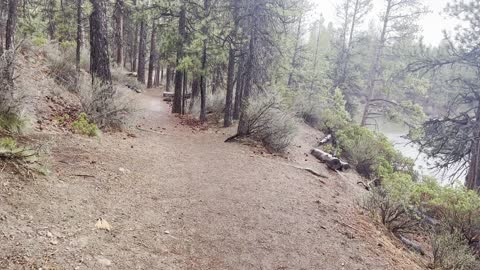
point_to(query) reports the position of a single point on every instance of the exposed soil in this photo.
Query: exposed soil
(178, 197)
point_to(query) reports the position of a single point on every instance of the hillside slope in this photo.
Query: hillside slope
(181, 198)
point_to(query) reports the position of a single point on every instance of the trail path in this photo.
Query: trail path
(177, 198)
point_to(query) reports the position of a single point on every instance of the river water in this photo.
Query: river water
(395, 133)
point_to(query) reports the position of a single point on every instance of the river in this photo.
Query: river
(395, 133)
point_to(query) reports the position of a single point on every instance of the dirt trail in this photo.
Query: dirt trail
(182, 199)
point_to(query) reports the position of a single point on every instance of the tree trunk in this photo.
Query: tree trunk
(296, 50)
(372, 77)
(230, 84)
(99, 60)
(118, 15)
(156, 81)
(153, 55)
(167, 86)
(11, 24)
(161, 74)
(203, 79)
(100, 63)
(195, 92)
(79, 43)
(243, 128)
(177, 99)
(51, 27)
(142, 51)
(184, 92)
(473, 176)
(238, 91)
(134, 51)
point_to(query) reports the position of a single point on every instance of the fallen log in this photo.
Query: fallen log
(172, 94)
(168, 94)
(326, 140)
(332, 162)
(411, 245)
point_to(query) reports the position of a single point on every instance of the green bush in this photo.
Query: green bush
(371, 153)
(451, 252)
(8, 143)
(392, 210)
(322, 110)
(39, 41)
(11, 122)
(84, 127)
(456, 207)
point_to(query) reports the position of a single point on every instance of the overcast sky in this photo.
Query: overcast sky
(432, 24)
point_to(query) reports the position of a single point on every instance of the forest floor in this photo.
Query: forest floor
(178, 197)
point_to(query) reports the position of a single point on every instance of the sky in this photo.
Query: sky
(432, 24)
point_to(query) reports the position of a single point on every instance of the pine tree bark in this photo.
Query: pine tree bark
(473, 176)
(184, 91)
(11, 24)
(99, 60)
(227, 120)
(177, 98)
(79, 40)
(238, 91)
(203, 78)
(243, 128)
(50, 14)
(156, 81)
(100, 63)
(134, 51)
(168, 82)
(142, 51)
(195, 92)
(153, 56)
(228, 117)
(119, 24)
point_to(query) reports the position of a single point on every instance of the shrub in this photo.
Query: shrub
(84, 127)
(39, 41)
(267, 121)
(322, 110)
(215, 106)
(61, 64)
(11, 122)
(457, 208)
(119, 76)
(451, 252)
(8, 143)
(105, 106)
(371, 153)
(392, 211)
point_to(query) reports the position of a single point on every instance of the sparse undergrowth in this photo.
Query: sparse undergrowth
(270, 123)
(84, 127)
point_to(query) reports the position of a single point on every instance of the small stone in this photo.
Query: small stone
(49, 235)
(167, 232)
(104, 261)
(54, 242)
